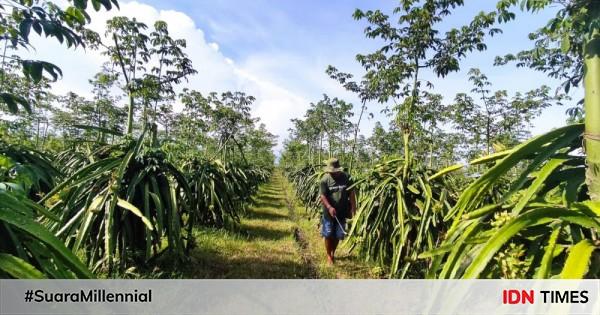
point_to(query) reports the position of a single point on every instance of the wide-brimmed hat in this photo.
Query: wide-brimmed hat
(333, 165)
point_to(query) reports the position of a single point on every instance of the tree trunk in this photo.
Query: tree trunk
(592, 108)
(313, 153)
(154, 135)
(45, 135)
(356, 129)
(37, 135)
(130, 115)
(407, 130)
(330, 149)
(343, 147)
(488, 134)
(308, 152)
(320, 149)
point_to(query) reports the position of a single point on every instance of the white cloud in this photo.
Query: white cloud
(275, 104)
(265, 52)
(305, 75)
(214, 46)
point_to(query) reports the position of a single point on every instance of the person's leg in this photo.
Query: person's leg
(330, 243)
(328, 233)
(334, 244)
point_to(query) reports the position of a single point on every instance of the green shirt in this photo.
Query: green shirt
(337, 193)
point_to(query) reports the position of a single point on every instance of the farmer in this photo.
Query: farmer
(339, 204)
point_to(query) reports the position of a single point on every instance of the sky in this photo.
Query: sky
(278, 51)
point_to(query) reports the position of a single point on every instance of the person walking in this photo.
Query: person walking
(339, 204)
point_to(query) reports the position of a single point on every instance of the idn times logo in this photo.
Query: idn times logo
(515, 296)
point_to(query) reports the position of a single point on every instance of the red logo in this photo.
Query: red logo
(512, 296)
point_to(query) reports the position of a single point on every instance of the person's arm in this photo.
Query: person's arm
(325, 201)
(328, 206)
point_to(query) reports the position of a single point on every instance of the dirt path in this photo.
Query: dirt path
(275, 240)
(348, 265)
(266, 245)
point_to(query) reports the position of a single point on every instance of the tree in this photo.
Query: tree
(328, 119)
(230, 119)
(568, 48)
(304, 132)
(43, 17)
(384, 142)
(365, 94)
(294, 154)
(66, 118)
(414, 46)
(259, 144)
(192, 124)
(108, 116)
(220, 125)
(173, 66)
(495, 120)
(132, 50)
(30, 126)
(555, 187)
(37, 254)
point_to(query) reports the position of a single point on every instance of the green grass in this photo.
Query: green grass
(347, 266)
(263, 246)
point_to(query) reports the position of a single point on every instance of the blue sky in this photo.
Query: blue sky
(278, 50)
(318, 33)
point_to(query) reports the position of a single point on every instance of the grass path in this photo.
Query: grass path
(347, 266)
(275, 240)
(263, 247)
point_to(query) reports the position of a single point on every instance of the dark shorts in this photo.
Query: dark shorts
(330, 228)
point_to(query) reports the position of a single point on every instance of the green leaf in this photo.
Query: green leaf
(445, 171)
(481, 211)
(19, 268)
(593, 206)
(546, 265)
(491, 158)
(39, 232)
(413, 189)
(578, 260)
(80, 4)
(37, 27)
(538, 183)
(97, 4)
(25, 28)
(99, 129)
(128, 206)
(516, 225)
(12, 101)
(540, 148)
(33, 70)
(565, 44)
(95, 205)
(436, 251)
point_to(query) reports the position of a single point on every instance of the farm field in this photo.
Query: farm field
(461, 139)
(271, 242)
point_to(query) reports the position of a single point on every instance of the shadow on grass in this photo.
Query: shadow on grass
(352, 265)
(270, 189)
(271, 199)
(257, 204)
(210, 264)
(264, 233)
(263, 215)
